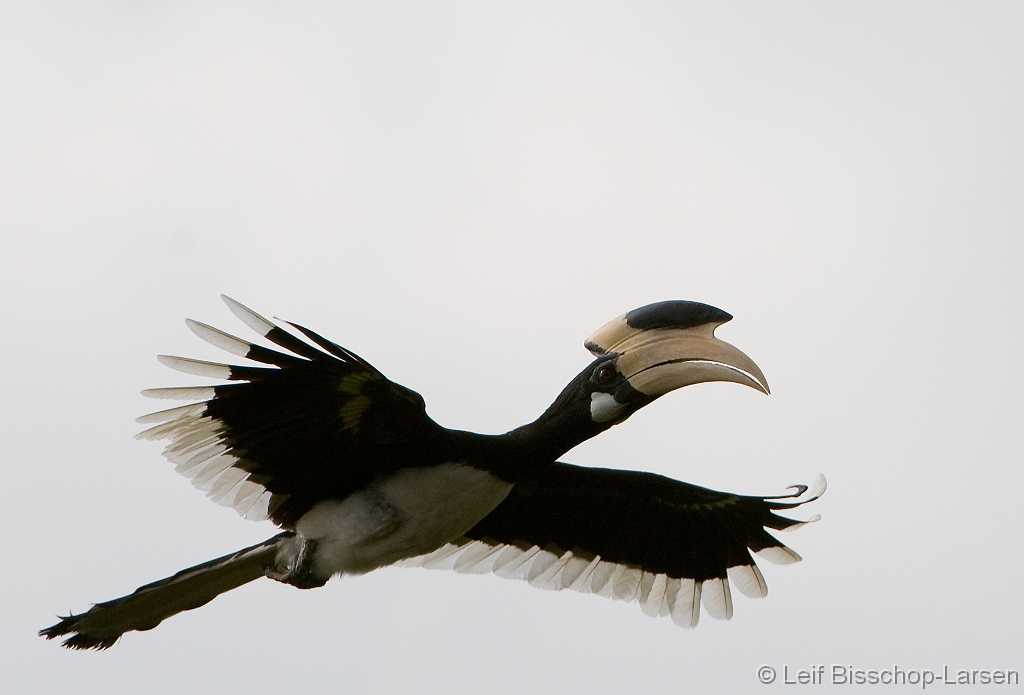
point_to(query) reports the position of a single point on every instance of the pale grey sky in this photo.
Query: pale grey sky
(462, 192)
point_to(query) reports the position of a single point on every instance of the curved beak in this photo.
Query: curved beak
(668, 345)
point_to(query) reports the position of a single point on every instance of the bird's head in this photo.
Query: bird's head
(658, 348)
(641, 356)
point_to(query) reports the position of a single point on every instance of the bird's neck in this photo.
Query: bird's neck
(553, 434)
(565, 424)
(525, 449)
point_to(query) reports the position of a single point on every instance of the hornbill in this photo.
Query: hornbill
(357, 475)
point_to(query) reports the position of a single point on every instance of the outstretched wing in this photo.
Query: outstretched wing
(628, 535)
(316, 422)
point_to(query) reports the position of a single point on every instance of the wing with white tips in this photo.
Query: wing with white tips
(313, 421)
(670, 546)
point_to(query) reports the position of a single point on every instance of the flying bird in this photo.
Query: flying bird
(357, 475)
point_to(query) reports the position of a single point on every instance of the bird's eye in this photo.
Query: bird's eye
(605, 374)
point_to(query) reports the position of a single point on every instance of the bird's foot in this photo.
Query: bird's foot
(295, 567)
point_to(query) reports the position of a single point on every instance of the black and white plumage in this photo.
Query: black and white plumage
(358, 476)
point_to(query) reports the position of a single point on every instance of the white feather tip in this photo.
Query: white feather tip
(249, 317)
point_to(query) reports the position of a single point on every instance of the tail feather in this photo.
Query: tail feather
(103, 624)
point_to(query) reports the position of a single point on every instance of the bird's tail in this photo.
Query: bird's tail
(102, 625)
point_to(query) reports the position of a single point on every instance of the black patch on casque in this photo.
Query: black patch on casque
(676, 313)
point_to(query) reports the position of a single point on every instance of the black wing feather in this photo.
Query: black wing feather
(318, 426)
(643, 520)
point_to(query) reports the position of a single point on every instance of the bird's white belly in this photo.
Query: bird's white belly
(409, 513)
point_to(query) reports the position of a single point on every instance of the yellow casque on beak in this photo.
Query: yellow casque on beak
(669, 345)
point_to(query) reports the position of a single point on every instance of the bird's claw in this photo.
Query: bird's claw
(296, 569)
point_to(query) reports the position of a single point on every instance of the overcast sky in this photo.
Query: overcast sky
(462, 193)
